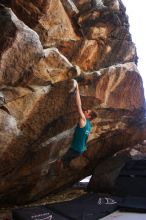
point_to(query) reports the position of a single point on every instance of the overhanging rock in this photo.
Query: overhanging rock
(37, 114)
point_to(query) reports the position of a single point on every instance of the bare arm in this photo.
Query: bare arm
(82, 120)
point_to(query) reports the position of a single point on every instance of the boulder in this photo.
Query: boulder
(38, 115)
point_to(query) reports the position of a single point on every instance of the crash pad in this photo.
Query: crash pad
(35, 213)
(87, 207)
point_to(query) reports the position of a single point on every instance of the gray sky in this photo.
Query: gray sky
(136, 11)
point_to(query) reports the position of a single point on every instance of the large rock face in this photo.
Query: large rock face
(54, 42)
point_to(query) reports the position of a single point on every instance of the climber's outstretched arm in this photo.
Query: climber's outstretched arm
(82, 120)
(75, 90)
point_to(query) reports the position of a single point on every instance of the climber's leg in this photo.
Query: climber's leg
(70, 155)
(65, 160)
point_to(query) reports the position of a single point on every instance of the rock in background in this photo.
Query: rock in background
(44, 44)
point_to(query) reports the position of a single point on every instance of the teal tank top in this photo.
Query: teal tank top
(80, 137)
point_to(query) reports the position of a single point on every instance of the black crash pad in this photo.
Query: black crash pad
(135, 168)
(133, 204)
(35, 213)
(132, 179)
(87, 207)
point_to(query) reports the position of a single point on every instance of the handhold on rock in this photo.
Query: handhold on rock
(74, 86)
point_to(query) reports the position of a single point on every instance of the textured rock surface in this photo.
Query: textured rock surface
(37, 114)
(20, 49)
(90, 38)
(48, 18)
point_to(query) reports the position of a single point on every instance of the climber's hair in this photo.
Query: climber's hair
(92, 114)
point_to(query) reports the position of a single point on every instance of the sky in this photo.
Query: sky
(136, 11)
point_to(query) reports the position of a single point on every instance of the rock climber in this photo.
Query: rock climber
(83, 128)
